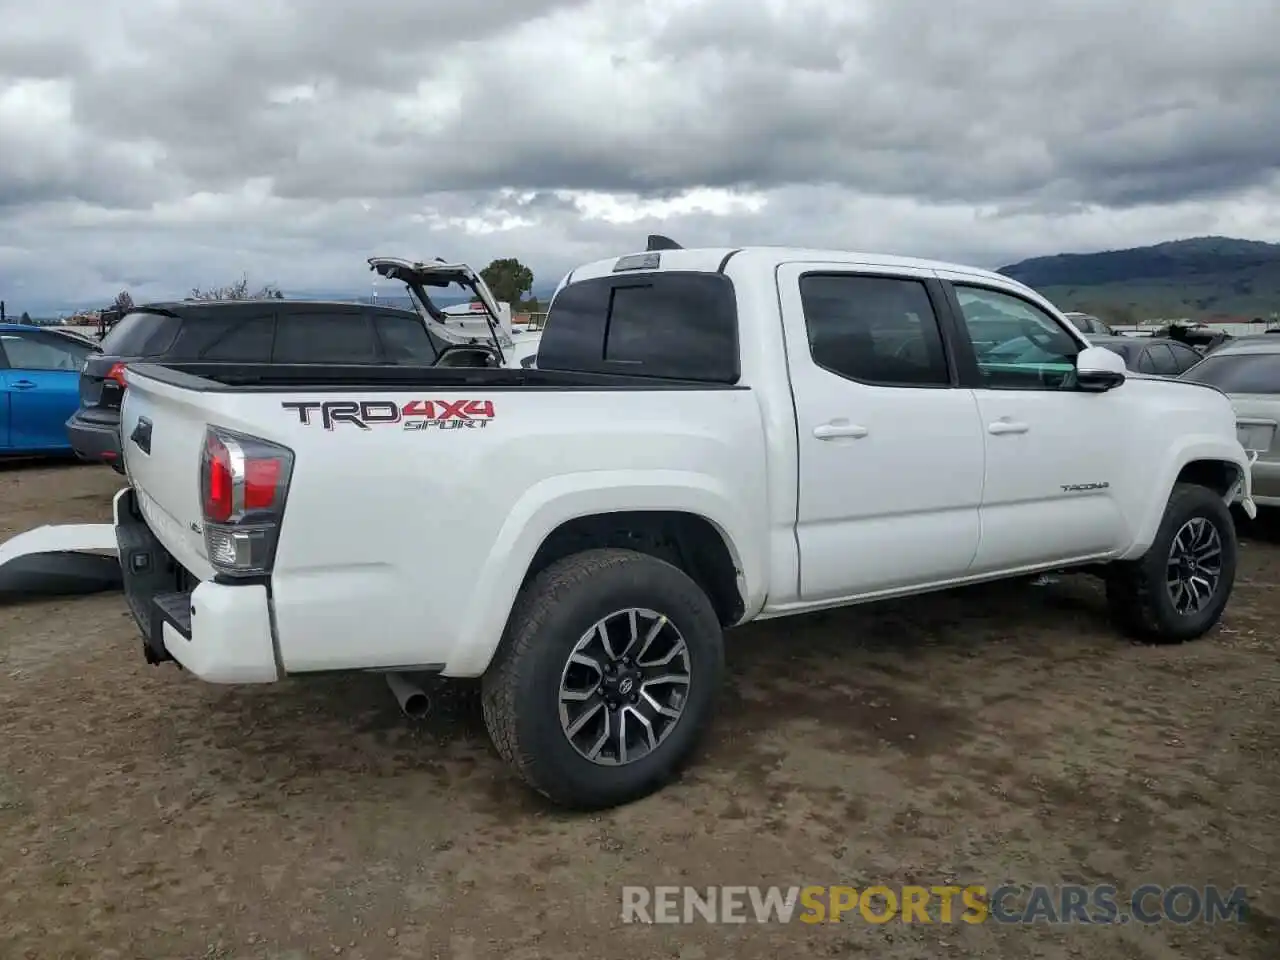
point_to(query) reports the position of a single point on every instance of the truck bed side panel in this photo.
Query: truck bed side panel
(405, 541)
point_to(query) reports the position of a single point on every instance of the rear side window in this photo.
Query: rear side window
(1239, 372)
(679, 326)
(405, 340)
(141, 335)
(324, 337)
(1162, 360)
(244, 339)
(878, 330)
(1184, 357)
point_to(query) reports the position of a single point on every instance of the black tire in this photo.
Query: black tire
(1137, 592)
(521, 689)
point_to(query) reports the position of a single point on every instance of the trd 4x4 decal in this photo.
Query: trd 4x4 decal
(415, 415)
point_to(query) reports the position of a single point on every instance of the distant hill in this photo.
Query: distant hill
(1204, 278)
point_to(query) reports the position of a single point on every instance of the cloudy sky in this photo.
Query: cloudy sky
(160, 144)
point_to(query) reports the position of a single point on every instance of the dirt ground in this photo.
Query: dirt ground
(1001, 734)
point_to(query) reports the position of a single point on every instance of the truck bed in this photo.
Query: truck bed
(361, 378)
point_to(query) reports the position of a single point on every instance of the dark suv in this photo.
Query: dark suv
(237, 331)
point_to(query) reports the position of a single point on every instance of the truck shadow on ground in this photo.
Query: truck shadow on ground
(860, 681)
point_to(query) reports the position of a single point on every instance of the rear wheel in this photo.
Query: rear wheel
(1178, 590)
(606, 678)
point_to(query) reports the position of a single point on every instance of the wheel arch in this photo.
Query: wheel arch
(691, 520)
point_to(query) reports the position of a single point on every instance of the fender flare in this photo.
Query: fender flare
(1196, 447)
(557, 500)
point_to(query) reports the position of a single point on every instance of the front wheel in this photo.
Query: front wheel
(606, 678)
(1179, 588)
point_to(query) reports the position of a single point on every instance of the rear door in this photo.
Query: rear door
(42, 386)
(890, 448)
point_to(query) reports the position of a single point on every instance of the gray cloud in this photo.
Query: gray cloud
(156, 144)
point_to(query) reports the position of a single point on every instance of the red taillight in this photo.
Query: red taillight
(261, 480)
(218, 505)
(243, 482)
(116, 373)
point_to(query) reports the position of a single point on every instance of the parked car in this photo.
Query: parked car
(1248, 371)
(1089, 325)
(1154, 355)
(75, 335)
(235, 331)
(709, 437)
(39, 373)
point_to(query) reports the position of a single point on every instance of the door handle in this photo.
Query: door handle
(833, 431)
(1001, 427)
(22, 385)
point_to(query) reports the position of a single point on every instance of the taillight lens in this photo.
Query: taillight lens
(243, 484)
(116, 373)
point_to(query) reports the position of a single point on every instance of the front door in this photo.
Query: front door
(1053, 452)
(890, 449)
(43, 387)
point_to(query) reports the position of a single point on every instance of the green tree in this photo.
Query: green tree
(123, 302)
(26, 318)
(509, 280)
(237, 291)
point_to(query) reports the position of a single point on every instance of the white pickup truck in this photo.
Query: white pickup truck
(710, 437)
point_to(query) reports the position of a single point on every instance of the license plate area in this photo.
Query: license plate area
(1256, 436)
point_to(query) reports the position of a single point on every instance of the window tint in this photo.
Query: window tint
(324, 337)
(141, 335)
(873, 329)
(28, 352)
(405, 340)
(1239, 372)
(244, 338)
(1184, 357)
(1040, 356)
(671, 325)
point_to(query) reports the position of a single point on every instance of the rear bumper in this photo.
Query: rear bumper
(95, 439)
(220, 632)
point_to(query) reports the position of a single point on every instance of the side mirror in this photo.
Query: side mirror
(1099, 370)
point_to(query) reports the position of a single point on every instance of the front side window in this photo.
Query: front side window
(875, 330)
(32, 352)
(1038, 354)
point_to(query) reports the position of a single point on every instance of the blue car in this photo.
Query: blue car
(39, 388)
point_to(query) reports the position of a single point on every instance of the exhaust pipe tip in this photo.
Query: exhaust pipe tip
(413, 700)
(416, 706)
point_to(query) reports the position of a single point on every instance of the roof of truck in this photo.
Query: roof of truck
(712, 259)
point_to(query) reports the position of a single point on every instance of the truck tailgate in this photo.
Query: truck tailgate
(162, 430)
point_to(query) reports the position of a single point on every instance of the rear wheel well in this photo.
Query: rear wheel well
(685, 540)
(1218, 475)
